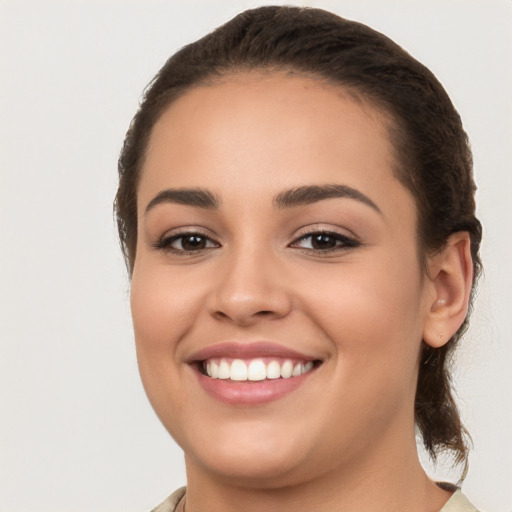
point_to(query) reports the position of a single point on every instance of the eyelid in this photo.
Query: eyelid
(347, 241)
(164, 242)
(312, 229)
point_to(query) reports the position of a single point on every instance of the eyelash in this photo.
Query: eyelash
(165, 243)
(342, 242)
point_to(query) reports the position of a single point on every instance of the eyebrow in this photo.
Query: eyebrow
(198, 197)
(299, 196)
(309, 194)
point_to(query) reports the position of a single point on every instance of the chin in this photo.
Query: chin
(253, 456)
(254, 470)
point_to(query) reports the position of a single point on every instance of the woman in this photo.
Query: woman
(296, 207)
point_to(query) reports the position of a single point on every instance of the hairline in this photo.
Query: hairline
(389, 120)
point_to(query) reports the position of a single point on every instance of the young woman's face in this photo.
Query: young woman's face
(277, 296)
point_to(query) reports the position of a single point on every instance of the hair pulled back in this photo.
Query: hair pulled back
(433, 158)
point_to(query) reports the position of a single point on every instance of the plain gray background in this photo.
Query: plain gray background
(76, 431)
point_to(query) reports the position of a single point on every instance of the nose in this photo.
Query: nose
(250, 287)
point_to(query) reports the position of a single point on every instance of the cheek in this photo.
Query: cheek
(162, 306)
(372, 314)
(372, 318)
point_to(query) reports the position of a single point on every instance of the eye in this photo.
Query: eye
(186, 243)
(324, 241)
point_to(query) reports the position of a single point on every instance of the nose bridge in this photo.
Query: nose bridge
(249, 287)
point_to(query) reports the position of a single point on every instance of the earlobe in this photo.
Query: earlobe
(451, 278)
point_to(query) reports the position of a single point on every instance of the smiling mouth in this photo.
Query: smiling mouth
(255, 370)
(251, 373)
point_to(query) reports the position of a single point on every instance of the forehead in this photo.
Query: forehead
(275, 101)
(266, 132)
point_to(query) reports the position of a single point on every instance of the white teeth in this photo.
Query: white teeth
(214, 370)
(257, 370)
(238, 370)
(254, 370)
(273, 370)
(297, 370)
(287, 369)
(224, 370)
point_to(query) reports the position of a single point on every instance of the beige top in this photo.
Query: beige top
(457, 503)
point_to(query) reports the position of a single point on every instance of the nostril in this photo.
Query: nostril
(246, 308)
(244, 317)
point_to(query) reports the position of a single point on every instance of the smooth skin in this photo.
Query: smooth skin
(360, 301)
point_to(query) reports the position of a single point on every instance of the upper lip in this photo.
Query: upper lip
(239, 350)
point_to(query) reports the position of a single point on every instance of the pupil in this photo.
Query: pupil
(323, 242)
(193, 242)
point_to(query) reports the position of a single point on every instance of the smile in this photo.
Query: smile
(251, 373)
(255, 370)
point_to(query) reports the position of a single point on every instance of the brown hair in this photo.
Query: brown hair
(433, 157)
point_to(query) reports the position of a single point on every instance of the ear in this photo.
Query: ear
(450, 280)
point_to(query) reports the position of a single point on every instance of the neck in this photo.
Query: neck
(387, 477)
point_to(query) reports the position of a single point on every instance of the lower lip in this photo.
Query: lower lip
(249, 392)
